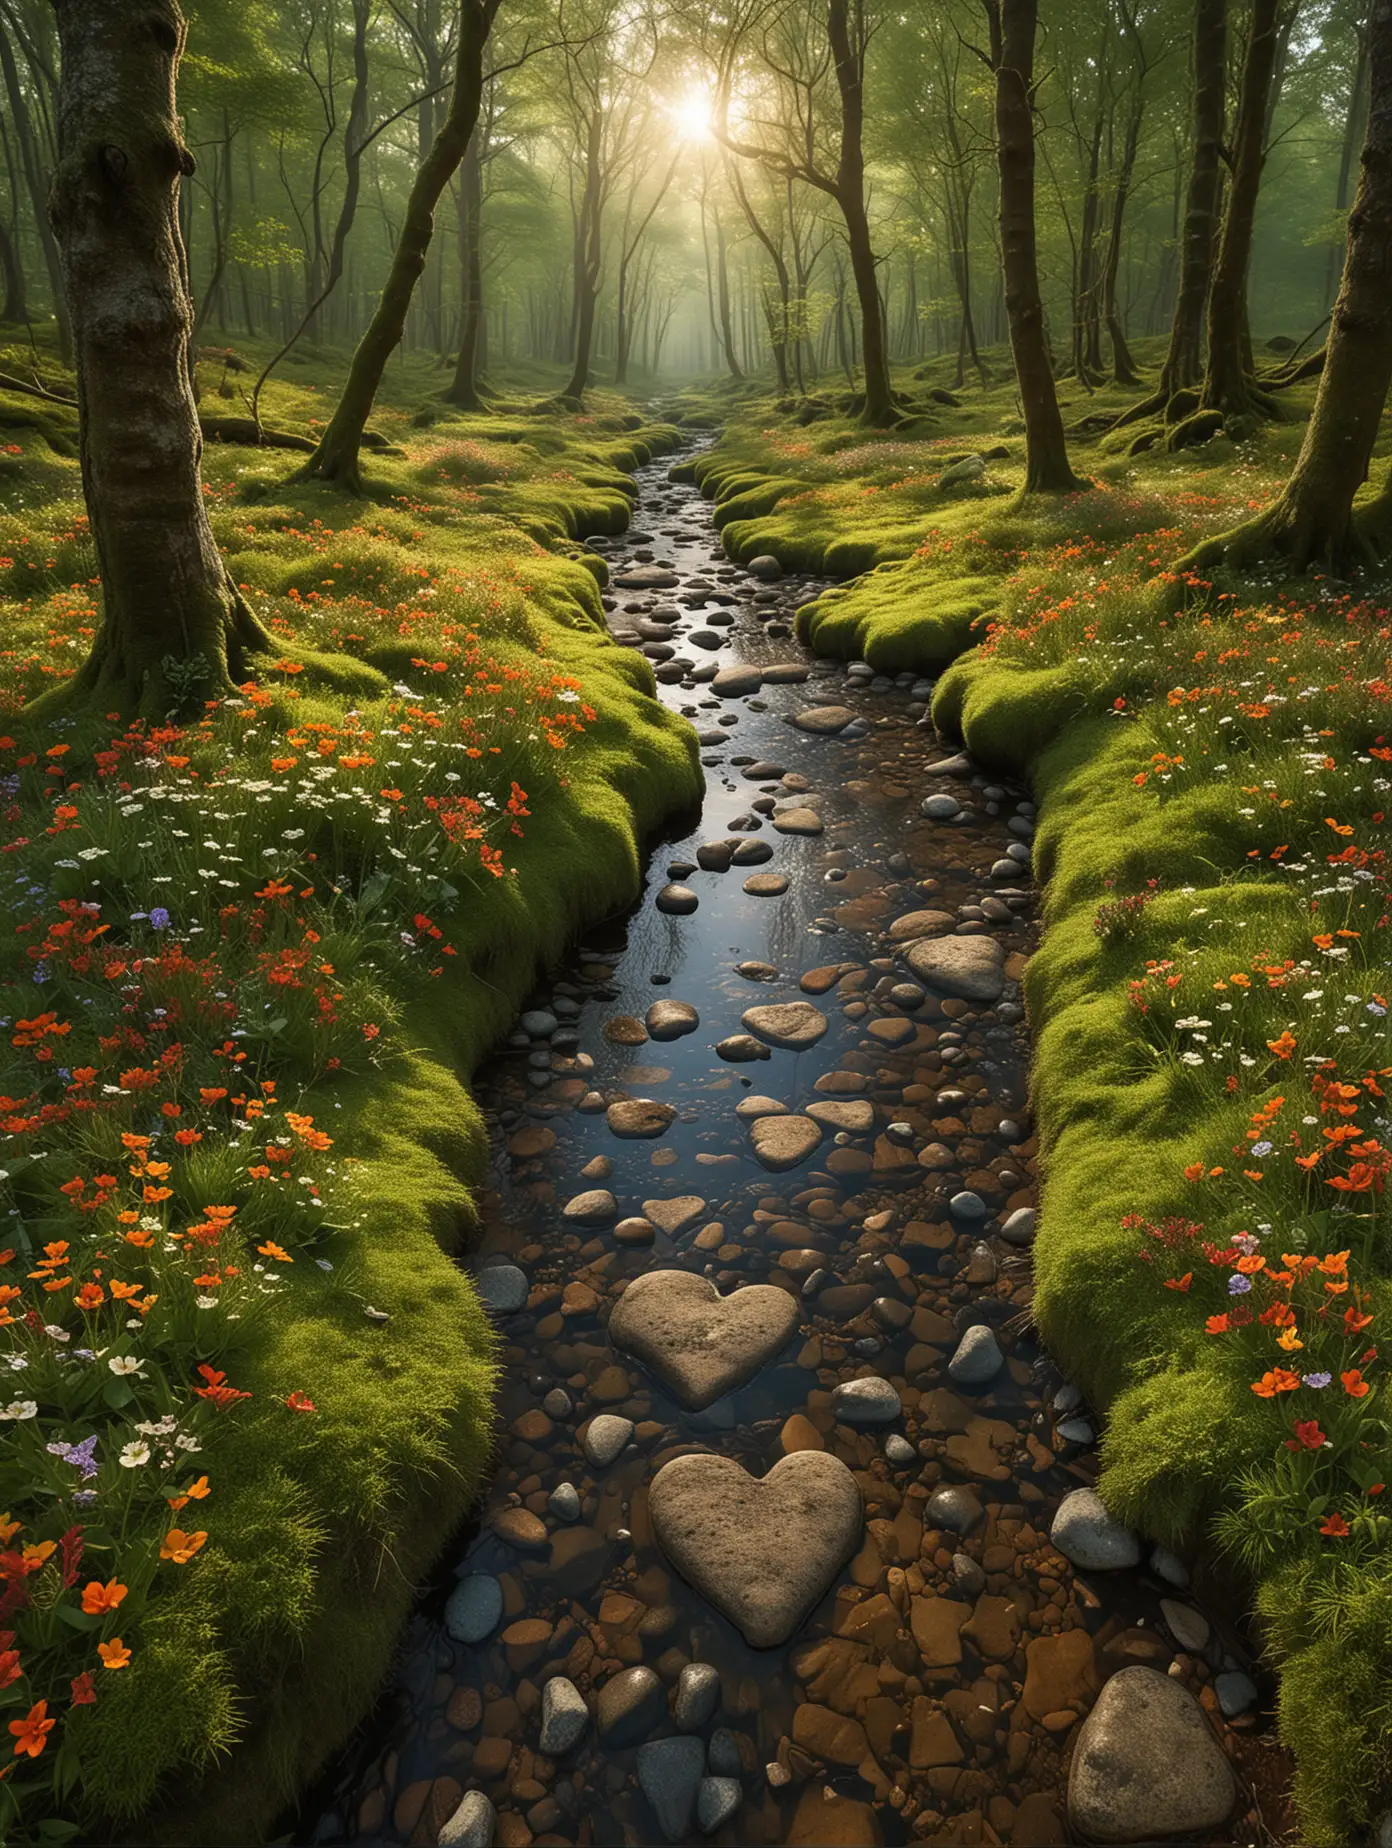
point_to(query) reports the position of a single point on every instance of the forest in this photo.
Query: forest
(695, 720)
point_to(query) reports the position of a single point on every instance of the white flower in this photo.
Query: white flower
(19, 1409)
(187, 1443)
(134, 1455)
(124, 1363)
(206, 1302)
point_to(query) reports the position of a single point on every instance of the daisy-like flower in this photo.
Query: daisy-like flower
(124, 1363)
(20, 1409)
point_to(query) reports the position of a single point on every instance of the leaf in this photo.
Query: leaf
(78, 1618)
(117, 1394)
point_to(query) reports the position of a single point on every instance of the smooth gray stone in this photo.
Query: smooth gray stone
(475, 1608)
(1019, 1227)
(539, 1023)
(717, 1799)
(564, 1502)
(870, 1401)
(1146, 1764)
(503, 1287)
(630, 1705)
(605, 1438)
(669, 1774)
(472, 1824)
(723, 1755)
(978, 1358)
(967, 968)
(969, 1206)
(956, 1508)
(1236, 1692)
(564, 1716)
(697, 1696)
(1086, 1534)
(1187, 1626)
(940, 808)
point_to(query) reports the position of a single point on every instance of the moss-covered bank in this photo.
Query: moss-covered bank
(1209, 1002)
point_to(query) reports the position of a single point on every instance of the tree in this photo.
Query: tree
(336, 458)
(1313, 520)
(173, 624)
(1011, 25)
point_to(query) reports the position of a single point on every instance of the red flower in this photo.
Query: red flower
(297, 1402)
(1308, 1435)
(84, 1694)
(1336, 1527)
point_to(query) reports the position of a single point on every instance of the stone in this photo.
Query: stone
(472, 1824)
(520, 1528)
(791, 1025)
(564, 1716)
(669, 1020)
(630, 1705)
(564, 1502)
(754, 1106)
(763, 1552)
(646, 577)
(732, 682)
(899, 1451)
(824, 721)
(955, 1508)
(1187, 1626)
(1060, 1671)
(677, 900)
(915, 924)
(1089, 1537)
(634, 1117)
(965, 968)
(798, 821)
(503, 1288)
(715, 856)
(970, 468)
(669, 1774)
(1018, 1227)
(699, 1343)
(596, 1208)
(932, 1741)
(741, 1049)
(968, 1206)
(978, 1358)
(765, 885)
(697, 1696)
(937, 1629)
(1236, 1692)
(634, 1231)
(625, 1030)
(856, 1116)
(825, 1819)
(1146, 1764)
(717, 1799)
(968, 1575)
(765, 567)
(783, 1142)
(940, 808)
(723, 1755)
(751, 853)
(605, 1437)
(538, 1023)
(1170, 1567)
(870, 1401)
(475, 1608)
(675, 1215)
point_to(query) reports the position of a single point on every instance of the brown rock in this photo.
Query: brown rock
(465, 1709)
(832, 1737)
(825, 1820)
(800, 1433)
(520, 1529)
(937, 1624)
(1061, 1671)
(1037, 1823)
(932, 1741)
(994, 1627)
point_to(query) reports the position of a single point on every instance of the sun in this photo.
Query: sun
(692, 115)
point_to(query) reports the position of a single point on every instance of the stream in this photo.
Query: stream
(864, 1153)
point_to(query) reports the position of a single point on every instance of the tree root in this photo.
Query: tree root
(1299, 540)
(246, 430)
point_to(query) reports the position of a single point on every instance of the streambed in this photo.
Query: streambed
(868, 1159)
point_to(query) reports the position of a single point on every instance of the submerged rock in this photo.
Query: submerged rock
(1147, 1765)
(700, 1343)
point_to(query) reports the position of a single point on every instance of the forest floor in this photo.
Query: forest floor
(240, 1042)
(1208, 1004)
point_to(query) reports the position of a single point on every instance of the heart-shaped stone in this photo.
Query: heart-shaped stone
(762, 1552)
(700, 1343)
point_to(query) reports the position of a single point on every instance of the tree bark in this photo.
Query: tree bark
(13, 303)
(1012, 26)
(336, 458)
(1226, 385)
(722, 298)
(589, 258)
(1313, 522)
(1347, 145)
(174, 628)
(37, 183)
(464, 387)
(845, 37)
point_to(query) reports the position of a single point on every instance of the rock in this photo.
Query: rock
(825, 1819)
(669, 1773)
(870, 1401)
(634, 1231)
(715, 856)
(717, 1799)
(596, 1208)
(750, 1108)
(471, 1825)
(1170, 1567)
(751, 853)
(824, 721)
(519, 1527)
(646, 577)
(833, 1737)
(915, 924)
(678, 900)
(798, 821)
(564, 1502)
(740, 1048)
(968, 1206)
(940, 808)
(1147, 1765)
(731, 682)
(970, 468)
(675, 1215)
(1075, 1431)
(475, 1608)
(782, 1142)
(955, 1508)
(765, 885)
(967, 968)
(765, 567)
(564, 1716)
(789, 1024)
(967, 1575)
(1187, 1626)
(1089, 1537)
(699, 1343)
(503, 1288)
(756, 971)
(636, 1117)
(605, 1437)
(1018, 1228)
(697, 1696)
(669, 1020)
(630, 1705)
(763, 1552)
(625, 1030)
(538, 1023)
(1236, 1692)
(856, 1116)
(1060, 1671)
(723, 1753)
(978, 1358)
(899, 1451)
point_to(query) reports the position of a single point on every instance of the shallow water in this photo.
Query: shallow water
(855, 1730)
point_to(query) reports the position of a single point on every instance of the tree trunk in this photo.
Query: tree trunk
(722, 297)
(849, 59)
(1313, 523)
(779, 320)
(37, 184)
(1226, 386)
(1347, 146)
(464, 389)
(174, 628)
(589, 257)
(336, 458)
(13, 304)
(1012, 27)
(1123, 366)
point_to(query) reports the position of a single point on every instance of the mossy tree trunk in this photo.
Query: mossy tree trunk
(1313, 523)
(1012, 28)
(336, 458)
(1227, 377)
(174, 627)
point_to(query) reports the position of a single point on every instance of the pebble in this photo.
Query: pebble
(635, 1117)
(606, 1435)
(1089, 1537)
(538, 1023)
(678, 900)
(723, 1755)
(564, 1502)
(564, 1716)
(630, 1705)
(1170, 1567)
(741, 1048)
(503, 1287)
(595, 1208)
(955, 1508)
(717, 1799)
(940, 808)
(1075, 1431)
(869, 1401)
(669, 1020)
(788, 1024)
(748, 1109)
(978, 1358)
(1018, 1227)
(472, 1824)
(798, 821)
(669, 1773)
(732, 682)
(557, 1403)
(782, 1142)
(968, 1206)
(899, 1451)
(824, 721)
(765, 885)
(966, 968)
(475, 1608)
(1187, 1626)
(1147, 1765)
(697, 1696)
(968, 1575)
(1236, 1692)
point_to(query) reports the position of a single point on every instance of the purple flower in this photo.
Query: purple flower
(159, 918)
(1318, 1380)
(1238, 1285)
(84, 1498)
(81, 1456)
(1261, 1148)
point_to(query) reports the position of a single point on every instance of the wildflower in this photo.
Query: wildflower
(1354, 1383)
(271, 1250)
(1316, 1381)
(114, 1654)
(1273, 1381)
(124, 1363)
(1238, 1285)
(1289, 1341)
(1217, 1325)
(297, 1402)
(20, 1409)
(1284, 1046)
(179, 1546)
(98, 1599)
(84, 1692)
(159, 918)
(31, 1733)
(1336, 1527)
(1308, 1435)
(135, 1454)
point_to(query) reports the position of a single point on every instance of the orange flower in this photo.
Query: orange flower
(31, 1733)
(90, 1296)
(1289, 1341)
(1355, 1321)
(98, 1599)
(1336, 1527)
(1217, 1325)
(1354, 1383)
(1250, 1266)
(1283, 1047)
(197, 1491)
(179, 1546)
(1274, 1381)
(297, 1402)
(114, 1654)
(271, 1250)
(1335, 1264)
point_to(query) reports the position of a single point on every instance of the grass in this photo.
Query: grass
(1210, 1001)
(447, 777)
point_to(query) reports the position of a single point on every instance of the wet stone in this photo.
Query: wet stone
(783, 1142)
(475, 1608)
(1088, 1536)
(699, 1343)
(965, 968)
(564, 1502)
(978, 1358)
(798, 821)
(751, 853)
(869, 1401)
(639, 1117)
(1147, 1765)
(765, 885)
(697, 1696)
(634, 1231)
(824, 721)
(678, 900)
(789, 1024)
(954, 1508)
(605, 1437)
(717, 1800)
(630, 1705)
(595, 1208)
(741, 1048)
(472, 1825)
(669, 1020)
(714, 856)
(503, 1288)
(564, 1716)
(669, 1774)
